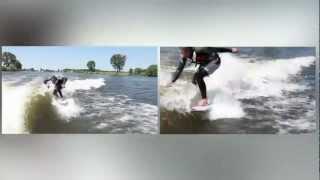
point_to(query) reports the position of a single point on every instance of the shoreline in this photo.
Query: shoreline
(110, 73)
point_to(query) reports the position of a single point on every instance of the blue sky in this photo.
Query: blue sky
(60, 57)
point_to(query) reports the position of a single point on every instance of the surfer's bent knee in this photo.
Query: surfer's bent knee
(211, 67)
(202, 73)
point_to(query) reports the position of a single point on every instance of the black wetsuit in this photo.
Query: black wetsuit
(58, 85)
(208, 60)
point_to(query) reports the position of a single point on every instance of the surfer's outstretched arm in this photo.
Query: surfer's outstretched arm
(45, 81)
(179, 70)
(52, 79)
(186, 53)
(227, 50)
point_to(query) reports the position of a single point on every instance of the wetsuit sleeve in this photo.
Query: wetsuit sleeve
(179, 70)
(186, 53)
(222, 50)
(46, 80)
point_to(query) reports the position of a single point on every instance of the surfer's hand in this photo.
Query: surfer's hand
(234, 50)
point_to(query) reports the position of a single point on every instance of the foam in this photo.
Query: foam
(69, 109)
(15, 98)
(13, 104)
(138, 117)
(235, 79)
(86, 84)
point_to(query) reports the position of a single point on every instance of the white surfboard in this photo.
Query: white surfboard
(62, 101)
(200, 108)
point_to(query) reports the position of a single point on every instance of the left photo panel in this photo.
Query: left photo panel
(66, 89)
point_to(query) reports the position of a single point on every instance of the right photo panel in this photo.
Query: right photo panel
(237, 90)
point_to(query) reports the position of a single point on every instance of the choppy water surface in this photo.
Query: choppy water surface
(262, 90)
(94, 104)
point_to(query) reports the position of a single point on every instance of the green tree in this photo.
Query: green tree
(91, 66)
(8, 58)
(118, 61)
(130, 71)
(138, 71)
(10, 62)
(18, 65)
(152, 70)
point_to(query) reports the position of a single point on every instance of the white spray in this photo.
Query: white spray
(235, 79)
(15, 98)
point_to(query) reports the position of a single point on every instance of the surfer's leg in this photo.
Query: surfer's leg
(206, 71)
(202, 72)
(211, 67)
(60, 93)
(198, 78)
(194, 79)
(55, 93)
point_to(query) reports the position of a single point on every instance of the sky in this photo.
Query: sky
(61, 57)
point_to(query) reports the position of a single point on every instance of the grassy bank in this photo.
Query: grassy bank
(111, 73)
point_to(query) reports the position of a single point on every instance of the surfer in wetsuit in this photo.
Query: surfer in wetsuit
(59, 83)
(208, 60)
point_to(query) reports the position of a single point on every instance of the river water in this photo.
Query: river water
(92, 104)
(258, 91)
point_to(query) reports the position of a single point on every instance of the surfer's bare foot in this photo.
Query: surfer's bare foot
(169, 85)
(203, 102)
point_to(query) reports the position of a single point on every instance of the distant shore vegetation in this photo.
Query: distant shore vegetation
(118, 61)
(10, 62)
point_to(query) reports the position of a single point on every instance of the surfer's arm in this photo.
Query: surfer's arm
(179, 70)
(186, 53)
(226, 50)
(49, 79)
(46, 81)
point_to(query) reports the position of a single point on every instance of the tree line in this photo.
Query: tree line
(118, 61)
(152, 70)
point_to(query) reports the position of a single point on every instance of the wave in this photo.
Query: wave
(236, 79)
(13, 101)
(30, 107)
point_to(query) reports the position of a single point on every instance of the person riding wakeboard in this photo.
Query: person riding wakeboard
(208, 60)
(59, 83)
